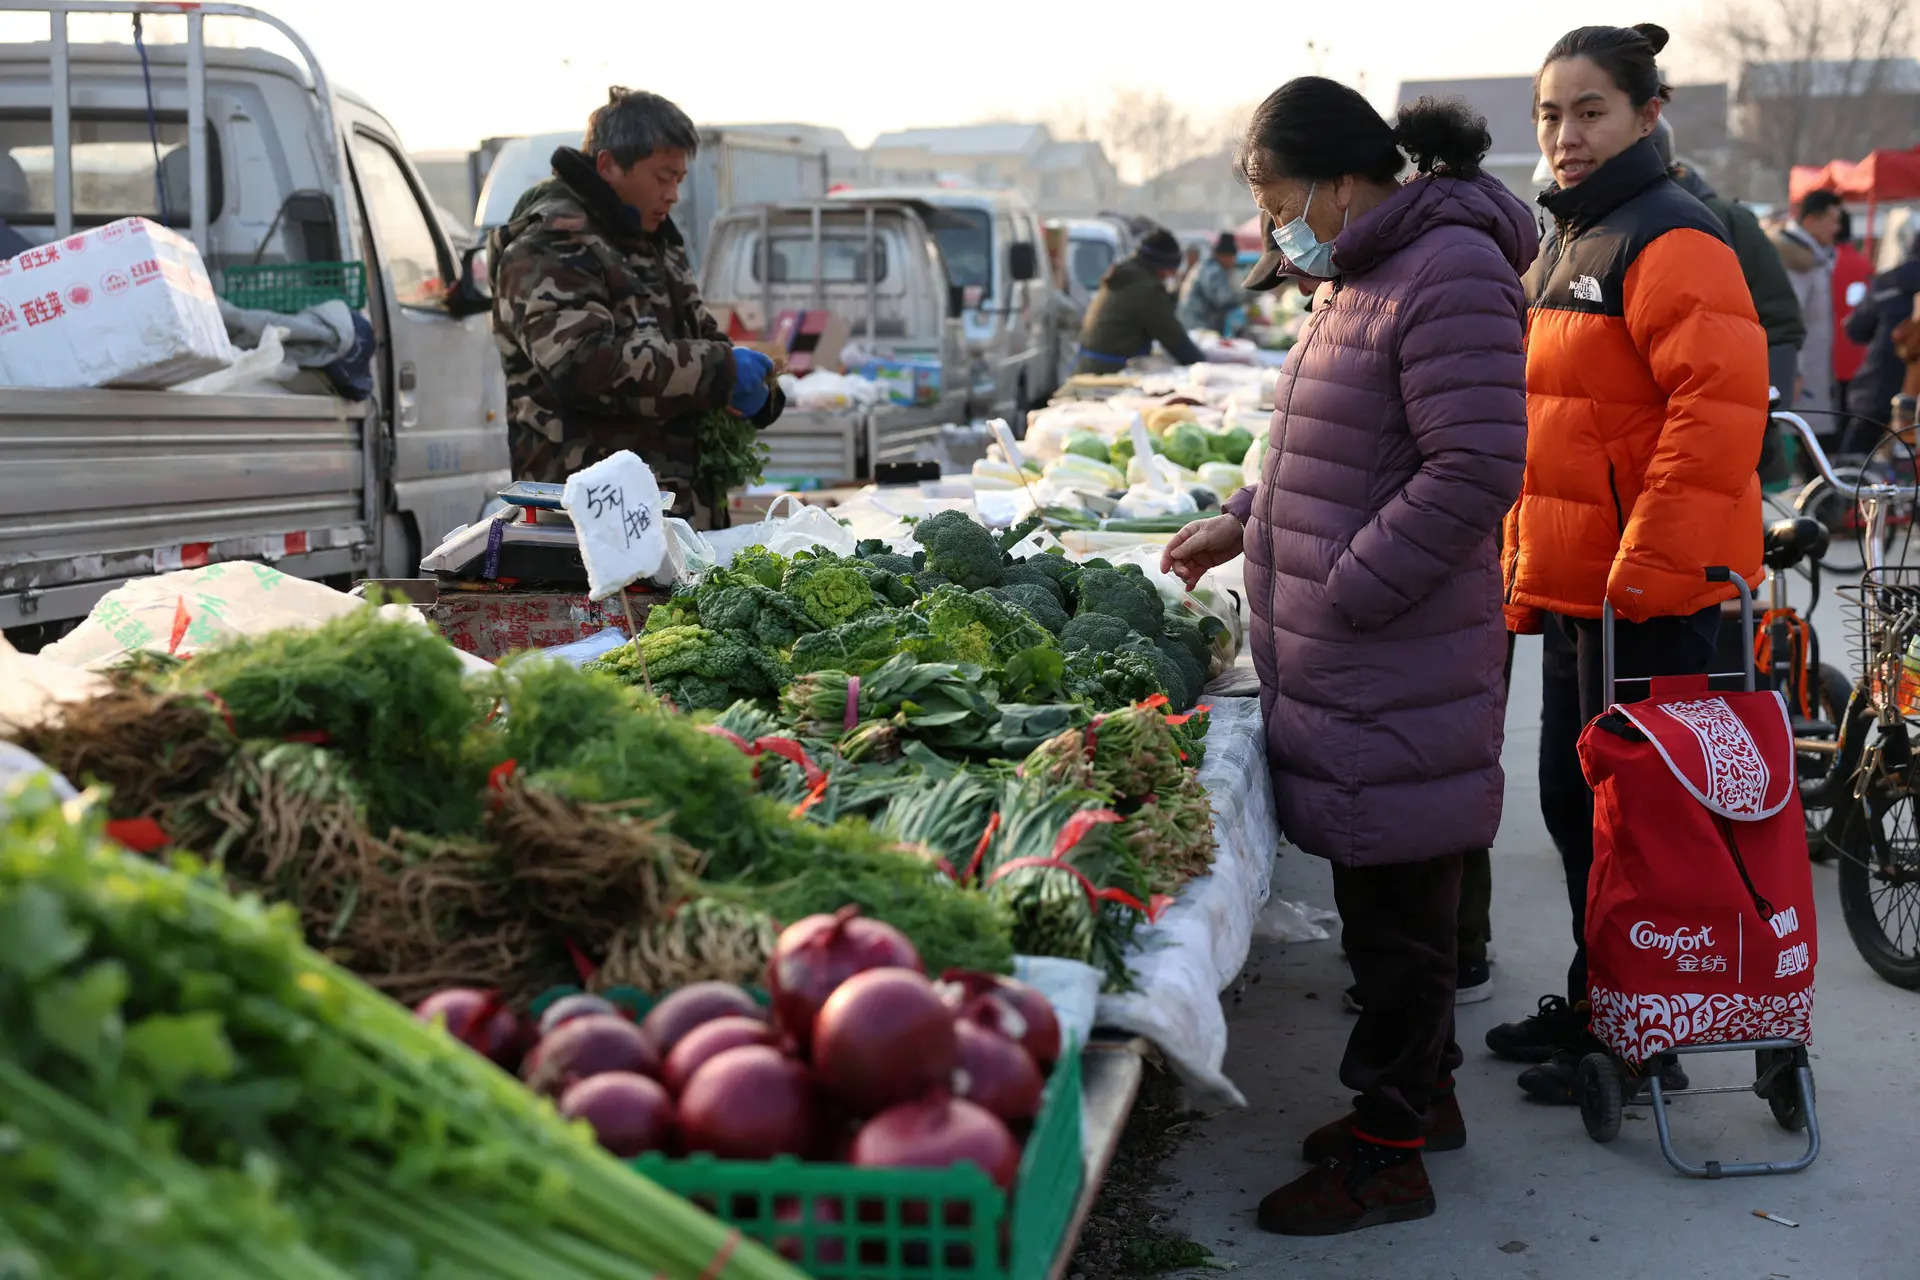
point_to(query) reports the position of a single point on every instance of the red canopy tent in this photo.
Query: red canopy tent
(1884, 175)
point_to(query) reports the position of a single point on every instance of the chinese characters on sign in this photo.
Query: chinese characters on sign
(615, 505)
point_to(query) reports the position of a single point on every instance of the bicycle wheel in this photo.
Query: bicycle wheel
(1880, 883)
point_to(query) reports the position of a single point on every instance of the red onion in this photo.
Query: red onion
(479, 1020)
(1014, 1009)
(815, 955)
(750, 1103)
(938, 1132)
(586, 1047)
(567, 1008)
(883, 1037)
(690, 1006)
(629, 1113)
(709, 1040)
(997, 1073)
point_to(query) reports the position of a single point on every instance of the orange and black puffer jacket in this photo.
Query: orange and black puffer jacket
(1646, 406)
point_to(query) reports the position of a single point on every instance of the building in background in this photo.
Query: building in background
(1060, 178)
(1203, 195)
(1811, 111)
(846, 164)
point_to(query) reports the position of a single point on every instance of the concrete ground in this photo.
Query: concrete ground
(1530, 1195)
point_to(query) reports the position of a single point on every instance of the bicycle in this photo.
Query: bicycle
(1874, 778)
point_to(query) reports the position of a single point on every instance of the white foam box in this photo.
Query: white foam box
(124, 305)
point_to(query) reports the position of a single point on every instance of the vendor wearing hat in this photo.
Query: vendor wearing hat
(1210, 296)
(1133, 310)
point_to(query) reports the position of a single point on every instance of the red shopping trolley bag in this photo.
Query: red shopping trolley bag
(1700, 925)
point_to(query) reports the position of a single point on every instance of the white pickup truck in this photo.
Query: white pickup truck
(879, 266)
(260, 160)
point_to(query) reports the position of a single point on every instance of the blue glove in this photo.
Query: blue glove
(750, 370)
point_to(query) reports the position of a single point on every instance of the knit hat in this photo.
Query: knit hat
(1159, 251)
(1226, 245)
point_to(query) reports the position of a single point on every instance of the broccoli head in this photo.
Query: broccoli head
(1109, 680)
(961, 550)
(763, 566)
(857, 647)
(1047, 567)
(1191, 671)
(1167, 675)
(1126, 596)
(1182, 630)
(1097, 632)
(975, 627)
(927, 583)
(829, 589)
(1037, 600)
(884, 559)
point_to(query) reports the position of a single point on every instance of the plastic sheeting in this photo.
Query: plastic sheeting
(1185, 960)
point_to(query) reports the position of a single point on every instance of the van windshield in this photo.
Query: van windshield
(966, 242)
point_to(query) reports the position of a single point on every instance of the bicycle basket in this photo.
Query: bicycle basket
(294, 286)
(1883, 621)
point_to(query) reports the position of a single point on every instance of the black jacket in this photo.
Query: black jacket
(1773, 296)
(1131, 312)
(1889, 301)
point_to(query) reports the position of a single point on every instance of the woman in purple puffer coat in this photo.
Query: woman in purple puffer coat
(1397, 445)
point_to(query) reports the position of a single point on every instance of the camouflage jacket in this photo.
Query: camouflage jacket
(601, 331)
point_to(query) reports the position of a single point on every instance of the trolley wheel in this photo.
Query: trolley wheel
(1783, 1095)
(1602, 1095)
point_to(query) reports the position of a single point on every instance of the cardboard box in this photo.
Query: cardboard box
(124, 305)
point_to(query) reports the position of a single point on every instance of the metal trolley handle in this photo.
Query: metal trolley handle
(1718, 573)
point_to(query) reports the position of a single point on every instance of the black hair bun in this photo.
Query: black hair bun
(1443, 137)
(1656, 35)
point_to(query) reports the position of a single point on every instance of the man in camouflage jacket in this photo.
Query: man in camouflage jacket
(604, 340)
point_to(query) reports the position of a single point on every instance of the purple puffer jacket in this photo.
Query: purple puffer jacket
(1397, 445)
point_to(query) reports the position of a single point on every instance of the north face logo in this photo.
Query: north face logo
(1586, 289)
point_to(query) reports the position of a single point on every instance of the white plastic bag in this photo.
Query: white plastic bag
(1072, 988)
(263, 369)
(1145, 502)
(791, 525)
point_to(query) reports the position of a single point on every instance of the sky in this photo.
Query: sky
(448, 75)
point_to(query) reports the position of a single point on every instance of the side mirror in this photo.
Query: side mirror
(473, 292)
(1023, 261)
(956, 301)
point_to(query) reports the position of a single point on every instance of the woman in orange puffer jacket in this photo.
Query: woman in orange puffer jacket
(1646, 406)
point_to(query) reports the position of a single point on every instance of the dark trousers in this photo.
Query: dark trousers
(1476, 887)
(1572, 694)
(1399, 926)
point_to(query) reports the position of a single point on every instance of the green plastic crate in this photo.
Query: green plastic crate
(841, 1223)
(294, 286)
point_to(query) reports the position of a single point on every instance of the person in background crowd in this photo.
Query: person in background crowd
(1766, 276)
(1852, 273)
(1133, 310)
(602, 334)
(1806, 248)
(1189, 263)
(1892, 300)
(1209, 296)
(1646, 402)
(1372, 575)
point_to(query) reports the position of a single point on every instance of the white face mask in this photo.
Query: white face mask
(1303, 248)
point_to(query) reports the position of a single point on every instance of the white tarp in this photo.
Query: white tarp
(1188, 957)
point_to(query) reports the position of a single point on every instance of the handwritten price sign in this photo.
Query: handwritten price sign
(615, 505)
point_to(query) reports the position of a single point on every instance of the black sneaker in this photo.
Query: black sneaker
(1474, 984)
(1535, 1038)
(1672, 1077)
(1554, 1081)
